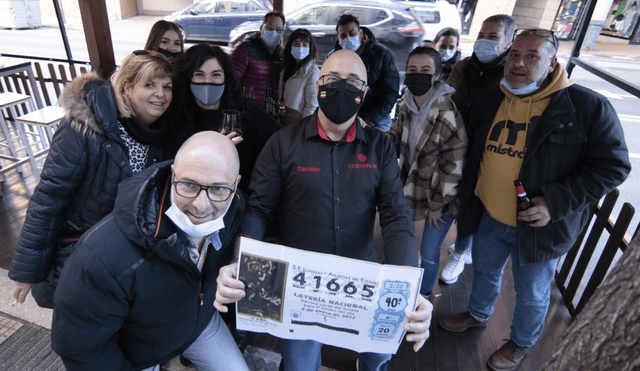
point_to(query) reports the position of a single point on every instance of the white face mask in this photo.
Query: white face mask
(351, 43)
(447, 54)
(182, 221)
(525, 90)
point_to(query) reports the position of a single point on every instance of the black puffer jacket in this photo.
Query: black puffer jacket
(79, 181)
(130, 297)
(472, 79)
(383, 78)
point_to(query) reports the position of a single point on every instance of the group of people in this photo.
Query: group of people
(143, 191)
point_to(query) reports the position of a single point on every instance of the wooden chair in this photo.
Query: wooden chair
(570, 275)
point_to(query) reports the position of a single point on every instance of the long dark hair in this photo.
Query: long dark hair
(447, 31)
(184, 108)
(289, 65)
(193, 59)
(158, 30)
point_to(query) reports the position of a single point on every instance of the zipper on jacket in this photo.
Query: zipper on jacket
(74, 225)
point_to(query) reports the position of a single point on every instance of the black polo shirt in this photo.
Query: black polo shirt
(327, 193)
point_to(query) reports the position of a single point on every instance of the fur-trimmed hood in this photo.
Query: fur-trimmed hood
(90, 105)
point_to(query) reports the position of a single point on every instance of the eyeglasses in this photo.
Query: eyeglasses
(192, 190)
(332, 81)
(269, 27)
(546, 34)
(140, 52)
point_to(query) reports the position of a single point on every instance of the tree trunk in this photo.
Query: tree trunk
(606, 334)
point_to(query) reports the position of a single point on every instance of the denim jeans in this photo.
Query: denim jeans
(304, 355)
(384, 124)
(430, 252)
(214, 349)
(492, 244)
(463, 245)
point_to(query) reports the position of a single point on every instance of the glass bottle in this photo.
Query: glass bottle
(523, 201)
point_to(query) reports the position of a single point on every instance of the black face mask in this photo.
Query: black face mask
(339, 103)
(168, 54)
(418, 83)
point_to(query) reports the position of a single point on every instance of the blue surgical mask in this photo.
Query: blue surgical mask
(206, 93)
(299, 53)
(486, 50)
(447, 54)
(271, 38)
(351, 43)
(523, 91)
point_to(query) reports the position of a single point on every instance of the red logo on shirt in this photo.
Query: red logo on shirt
(362, 158)
(304, 168)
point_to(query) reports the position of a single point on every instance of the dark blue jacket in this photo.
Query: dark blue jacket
(575, 154)
(130, 297)
(383, 78)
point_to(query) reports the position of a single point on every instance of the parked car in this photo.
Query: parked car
(212, 20)
(435, 16)
(394, 25)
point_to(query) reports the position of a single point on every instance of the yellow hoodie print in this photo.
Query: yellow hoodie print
(506, 145)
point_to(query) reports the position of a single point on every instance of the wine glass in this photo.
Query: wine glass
(231, 122)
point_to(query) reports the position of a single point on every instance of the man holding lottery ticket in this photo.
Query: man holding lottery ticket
(327, 177)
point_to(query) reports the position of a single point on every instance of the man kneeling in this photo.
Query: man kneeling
(139, 289)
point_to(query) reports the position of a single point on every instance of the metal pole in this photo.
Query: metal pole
(63, 31)
(584, 26)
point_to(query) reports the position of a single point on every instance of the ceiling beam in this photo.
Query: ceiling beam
(95, 22)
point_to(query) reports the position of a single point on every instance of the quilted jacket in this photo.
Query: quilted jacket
(255, 66)
(78, 184)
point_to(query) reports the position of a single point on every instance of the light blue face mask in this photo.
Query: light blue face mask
(271, 38)
(525, 90)
(299, 52)
(486, 50)
(447, 54)
(351, 43)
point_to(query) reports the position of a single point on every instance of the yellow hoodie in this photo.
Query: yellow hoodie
(506, 144)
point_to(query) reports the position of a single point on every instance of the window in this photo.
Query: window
(203, 7)
(231, 7)
(428, 15)
(311, 17)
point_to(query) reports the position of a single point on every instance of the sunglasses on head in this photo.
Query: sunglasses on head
(546, 34)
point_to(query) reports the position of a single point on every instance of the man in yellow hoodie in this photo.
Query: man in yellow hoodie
(564, 142)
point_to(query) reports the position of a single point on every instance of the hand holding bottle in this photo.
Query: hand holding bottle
(538, 214)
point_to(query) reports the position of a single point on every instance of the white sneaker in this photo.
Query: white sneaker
(467, 257)
(453, 269)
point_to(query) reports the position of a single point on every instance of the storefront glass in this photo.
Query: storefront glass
(567, 18)
(622, 19)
